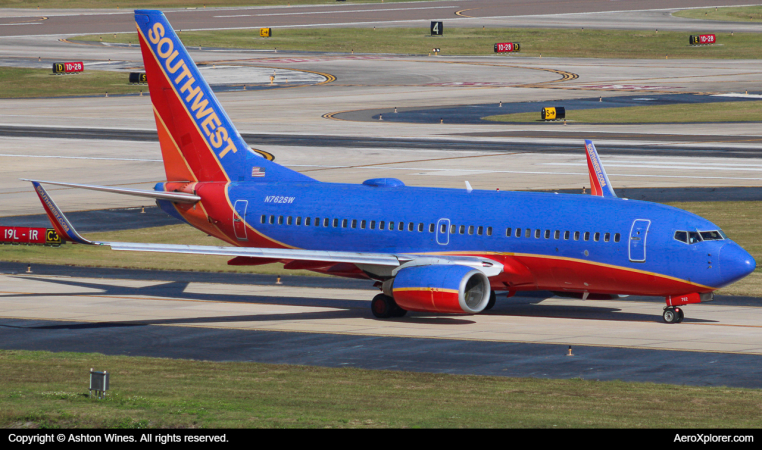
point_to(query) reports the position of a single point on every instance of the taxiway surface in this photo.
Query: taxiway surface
(719, 344)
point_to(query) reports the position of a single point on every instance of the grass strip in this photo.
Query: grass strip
(49, 390)
(725, 14)
(577, 43)
(745, 111)
(18, 82)
(740, 220)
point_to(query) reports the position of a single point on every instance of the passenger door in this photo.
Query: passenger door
(239, 217)
(638, 235)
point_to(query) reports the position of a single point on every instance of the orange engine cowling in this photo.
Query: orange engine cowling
(441, 288)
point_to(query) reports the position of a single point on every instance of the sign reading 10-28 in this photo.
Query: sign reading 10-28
(436, 29)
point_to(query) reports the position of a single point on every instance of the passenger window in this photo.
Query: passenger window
(326, 222)
(489, 231)
(344, 223)
(462, 229)
(606, 237)
(507, 232)
(537, 234)
(452, 229)
(431, 228)
(263, 219)
(410, 226)
(401, 226)
(372, 224)
(335, 223)
(289, 220)
(528, 233)
(272, 220)
(616, 237)
(587, 235)
(381, 225)
(354, 223)
(443, 228)
(576, 235)
(362, 224)
(391, 225)
(557, 234)
(307, 221)
(298, 220)
(470, 229)
(518, 232)
(479, 230)
(597, 236)
(566, 235)
(547, 234)
(280, 220)
(420, 227)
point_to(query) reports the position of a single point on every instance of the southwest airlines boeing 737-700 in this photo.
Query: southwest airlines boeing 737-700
(430, 250)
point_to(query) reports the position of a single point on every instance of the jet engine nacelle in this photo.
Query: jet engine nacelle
(445, 288)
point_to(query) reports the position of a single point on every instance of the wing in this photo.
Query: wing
(389, 261)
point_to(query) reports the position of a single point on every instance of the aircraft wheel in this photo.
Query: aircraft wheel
(492, 301)
(398, 312)
(680, 315)
(383, 306)
(670, 315)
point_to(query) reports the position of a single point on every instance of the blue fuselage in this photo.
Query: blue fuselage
(615, 233)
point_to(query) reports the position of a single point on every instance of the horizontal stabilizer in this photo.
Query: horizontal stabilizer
(57, 218)
(176, 197)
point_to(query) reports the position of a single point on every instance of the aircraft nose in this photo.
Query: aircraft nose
(735, 263)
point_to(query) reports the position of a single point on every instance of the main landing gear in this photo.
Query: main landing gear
(673, 314)
(492, 301)
(384, 307)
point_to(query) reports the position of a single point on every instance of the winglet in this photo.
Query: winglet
(599, 181)
(57, 218)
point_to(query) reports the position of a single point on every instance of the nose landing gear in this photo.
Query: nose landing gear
(673, 314)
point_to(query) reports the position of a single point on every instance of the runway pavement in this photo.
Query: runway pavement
(574, 13)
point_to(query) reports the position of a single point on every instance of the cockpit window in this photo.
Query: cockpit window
(693, 237)
(711, 236)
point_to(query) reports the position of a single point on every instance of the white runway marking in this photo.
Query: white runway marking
(457, 172)
(335, 12)
(80, 157)
(664, 166)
